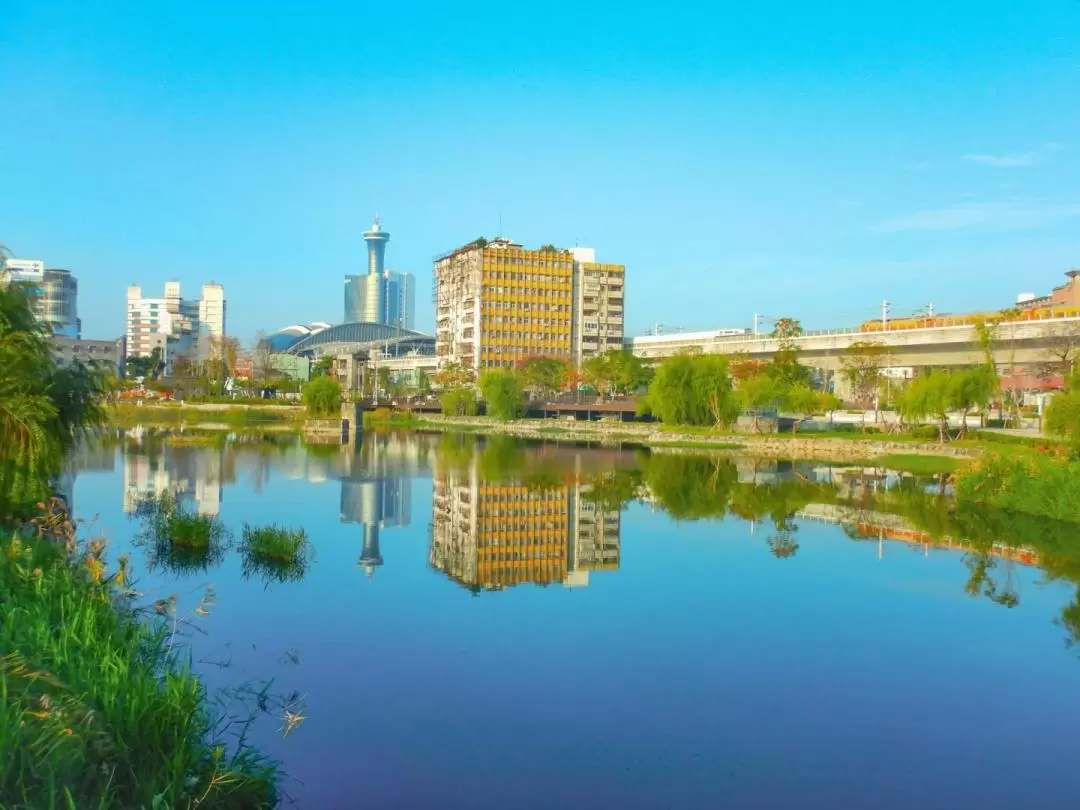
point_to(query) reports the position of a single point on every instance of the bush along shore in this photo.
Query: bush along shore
(98, 709)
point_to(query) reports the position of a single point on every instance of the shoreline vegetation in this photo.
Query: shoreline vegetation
(99, 708)
(834, 445)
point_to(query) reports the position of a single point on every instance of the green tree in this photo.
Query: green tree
(322, 397)
(713, 389)
(322, 366)
(626, 372)
(804, 402)
(504, 394)
(455, 375)
(459, 401)
(423, 383)
(1063, 413)
(149, 366)
(971, 388)
(860, 368)
(758, 393)
(929, 396)
(596, 371)
(673, 396)
(385, 384)
(785, 367)
(545, 375)
(44, 409)
(786, 328)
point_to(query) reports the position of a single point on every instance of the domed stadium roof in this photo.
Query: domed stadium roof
(283, 339)
(348, 338)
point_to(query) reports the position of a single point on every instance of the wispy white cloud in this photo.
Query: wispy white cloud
(1014, 160)
(999, 216)
(1004, 161)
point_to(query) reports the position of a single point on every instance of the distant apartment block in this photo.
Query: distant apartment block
(177, 326)
(53, 293)
(498, 303)
(599, 290)
(212, 310)
(107, 354)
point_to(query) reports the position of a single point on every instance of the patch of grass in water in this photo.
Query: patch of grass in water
(178, 540)
(276, 553)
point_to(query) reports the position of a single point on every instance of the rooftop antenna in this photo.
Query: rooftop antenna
(500, 224)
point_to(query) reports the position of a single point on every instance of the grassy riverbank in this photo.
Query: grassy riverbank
(234, 416)
(97, 709)
(1031, 483)
(833, 446)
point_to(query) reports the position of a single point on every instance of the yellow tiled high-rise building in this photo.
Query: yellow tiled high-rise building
(497, 303)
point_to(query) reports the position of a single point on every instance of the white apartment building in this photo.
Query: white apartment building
(176, 326)
(212, 309)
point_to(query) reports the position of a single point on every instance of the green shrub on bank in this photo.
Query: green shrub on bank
(460, 401)
(1063, 413)
(97, 710)
(504, 394)
(1041, 484)
(322, 397)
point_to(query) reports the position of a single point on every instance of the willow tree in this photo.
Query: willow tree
(861, 368)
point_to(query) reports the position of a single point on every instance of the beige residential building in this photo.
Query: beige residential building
(498, 304)
(599, 291)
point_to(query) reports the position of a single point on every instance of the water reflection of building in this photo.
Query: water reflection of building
(193, 474)
(490, 535)
(92, 455)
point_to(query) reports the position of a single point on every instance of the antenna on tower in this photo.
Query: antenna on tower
(500, 225)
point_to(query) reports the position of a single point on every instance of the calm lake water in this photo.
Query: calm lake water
(495, 625)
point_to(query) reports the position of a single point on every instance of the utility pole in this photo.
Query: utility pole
(658, 329)
(930, 310)
(885, 315)
(757, 324)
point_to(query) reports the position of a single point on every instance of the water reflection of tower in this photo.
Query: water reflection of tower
(376, 491)
(376, 504)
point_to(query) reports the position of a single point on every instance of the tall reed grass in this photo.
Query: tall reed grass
(98, 709)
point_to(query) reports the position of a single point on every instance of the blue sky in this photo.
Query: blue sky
(788, 158)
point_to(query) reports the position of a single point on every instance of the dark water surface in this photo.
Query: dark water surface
(487, 625)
